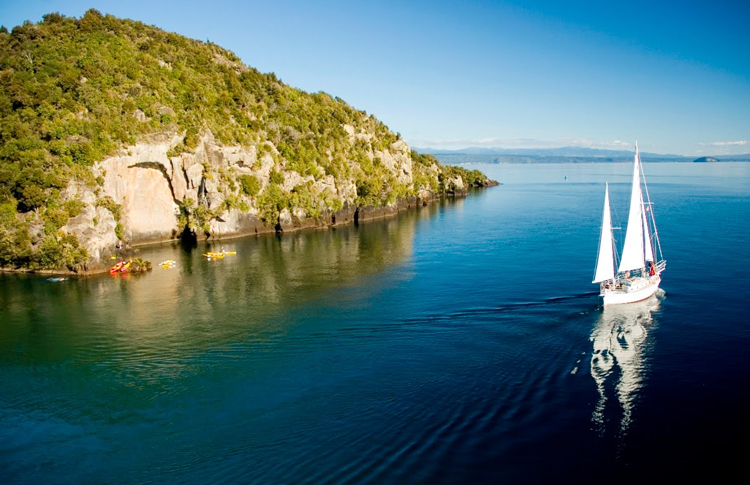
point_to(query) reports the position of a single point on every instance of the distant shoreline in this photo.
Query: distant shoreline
(494, 159)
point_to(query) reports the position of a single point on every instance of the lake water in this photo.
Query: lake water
(461, 343)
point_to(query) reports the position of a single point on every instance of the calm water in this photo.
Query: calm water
(460, 343)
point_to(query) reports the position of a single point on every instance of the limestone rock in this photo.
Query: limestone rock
(95, 229)
(194, 176)
(285, 220)
(141, 116)
(234, 221)
(151, 186)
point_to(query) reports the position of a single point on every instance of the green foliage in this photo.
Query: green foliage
(119, 231)
(302, 197)
(271, 202)
(228, 180)
(424, 178)
(196, 217)
(250, 185)
(108, 203)
(276, 177)
(232, 201)
(474, 177)
(138, 265)
(470, 177)
(60, 251)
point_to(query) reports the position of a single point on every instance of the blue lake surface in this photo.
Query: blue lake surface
(461, 343)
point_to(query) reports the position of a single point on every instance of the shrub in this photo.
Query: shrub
(276, 177)
(250, 184)
(108, 203)
(60, 251)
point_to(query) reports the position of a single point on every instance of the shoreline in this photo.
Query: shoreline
(354, 216)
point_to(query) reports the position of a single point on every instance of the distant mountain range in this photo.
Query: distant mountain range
(561, 155)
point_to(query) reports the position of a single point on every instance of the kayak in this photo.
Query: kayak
(117, 267)
(214, 255)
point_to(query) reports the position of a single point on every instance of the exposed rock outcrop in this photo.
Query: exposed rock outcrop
(156, 192)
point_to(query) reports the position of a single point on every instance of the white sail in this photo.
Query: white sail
(632, 252)
(647, 238)
(605, 266)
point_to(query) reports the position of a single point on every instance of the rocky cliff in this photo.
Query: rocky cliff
(161, 197)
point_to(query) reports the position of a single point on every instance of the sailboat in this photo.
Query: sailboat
(639, 271)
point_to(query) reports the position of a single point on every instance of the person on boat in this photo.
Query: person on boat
(651, 268)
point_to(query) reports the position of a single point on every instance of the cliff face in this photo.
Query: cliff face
(113, 130)
(155, 193)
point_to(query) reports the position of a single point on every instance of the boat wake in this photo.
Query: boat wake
(484, 312)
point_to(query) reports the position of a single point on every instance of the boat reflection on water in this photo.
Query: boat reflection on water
(619, 361)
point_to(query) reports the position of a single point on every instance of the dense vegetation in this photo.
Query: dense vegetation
(73, 91)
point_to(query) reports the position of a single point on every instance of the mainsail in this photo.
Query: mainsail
(605, 266)
(632, 252)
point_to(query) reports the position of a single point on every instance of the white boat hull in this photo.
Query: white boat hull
(641, 289)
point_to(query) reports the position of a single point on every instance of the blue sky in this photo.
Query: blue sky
(673, 75)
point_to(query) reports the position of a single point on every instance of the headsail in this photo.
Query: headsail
(605, 266)
(632, 252)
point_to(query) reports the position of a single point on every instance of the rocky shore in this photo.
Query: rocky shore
(252, 226)
(147, 192)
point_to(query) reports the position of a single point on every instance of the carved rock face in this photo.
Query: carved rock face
(142, 183)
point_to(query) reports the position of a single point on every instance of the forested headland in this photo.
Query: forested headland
(111, 129)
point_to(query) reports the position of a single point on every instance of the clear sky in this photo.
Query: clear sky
(519, 73)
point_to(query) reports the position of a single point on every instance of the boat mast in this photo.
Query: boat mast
(632, 252)
(658, 256)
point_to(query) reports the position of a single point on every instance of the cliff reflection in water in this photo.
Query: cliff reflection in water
(161, 319)
(294, 268)
(619, 361)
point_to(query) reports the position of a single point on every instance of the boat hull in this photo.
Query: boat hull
(631, 295)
